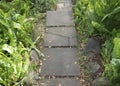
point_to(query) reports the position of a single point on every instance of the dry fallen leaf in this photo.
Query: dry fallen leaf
(49, 46)
(59, 84)
(82, 45)
(40, 62)
(48, 56)
(39, 70)
(53, 77)
(77, 78)
(75, 62)
(43, 84)
(82, 80)
(50, 41)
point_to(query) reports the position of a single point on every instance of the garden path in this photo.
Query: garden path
(61, 65)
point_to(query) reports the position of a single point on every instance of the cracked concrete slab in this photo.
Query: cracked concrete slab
(62, 31)
(52, 39)
(60, 18)
(61, 62)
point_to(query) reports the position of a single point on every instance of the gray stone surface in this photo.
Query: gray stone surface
(93, 45)
(93, 67)
(92, 48)
(55, 40)
(59, 18)
(73, 41)
(31, 78)
(101, 82)
(60, 36)
(62, 31)
(64, 7)
(61, 82)
(61, 62)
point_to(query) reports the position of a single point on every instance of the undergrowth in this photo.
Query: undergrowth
(17, 19)
(101, 18)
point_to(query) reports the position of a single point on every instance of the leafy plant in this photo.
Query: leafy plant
(101, 18)
(14, 64)
(43, 5)
(16, 27)
(112, 72)
(15, 43)
(116, 49)
(107, 48)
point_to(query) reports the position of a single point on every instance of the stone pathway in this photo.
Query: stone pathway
(61, 67)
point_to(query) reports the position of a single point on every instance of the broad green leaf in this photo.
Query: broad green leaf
(17, 25)
(116, 49)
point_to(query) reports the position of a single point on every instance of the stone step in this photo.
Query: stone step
(60, 62)
(60, 18)
(61, 82)
(64, 7)
(60, 36)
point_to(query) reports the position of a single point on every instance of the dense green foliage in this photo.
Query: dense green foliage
(43, 5)
(15, 41)
(101, 18)
(95, 14)
(16, 26)
(111, 55)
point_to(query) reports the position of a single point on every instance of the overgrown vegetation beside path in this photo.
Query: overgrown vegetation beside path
(101, 18)
(17, 18)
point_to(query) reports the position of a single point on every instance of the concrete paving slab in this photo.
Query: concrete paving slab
(60, 18)
(61, 82)
(64, 7)
(52, 39)
(62, 31)
(60, 5)
(61, 62)
(55, 40)
(73, 41)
